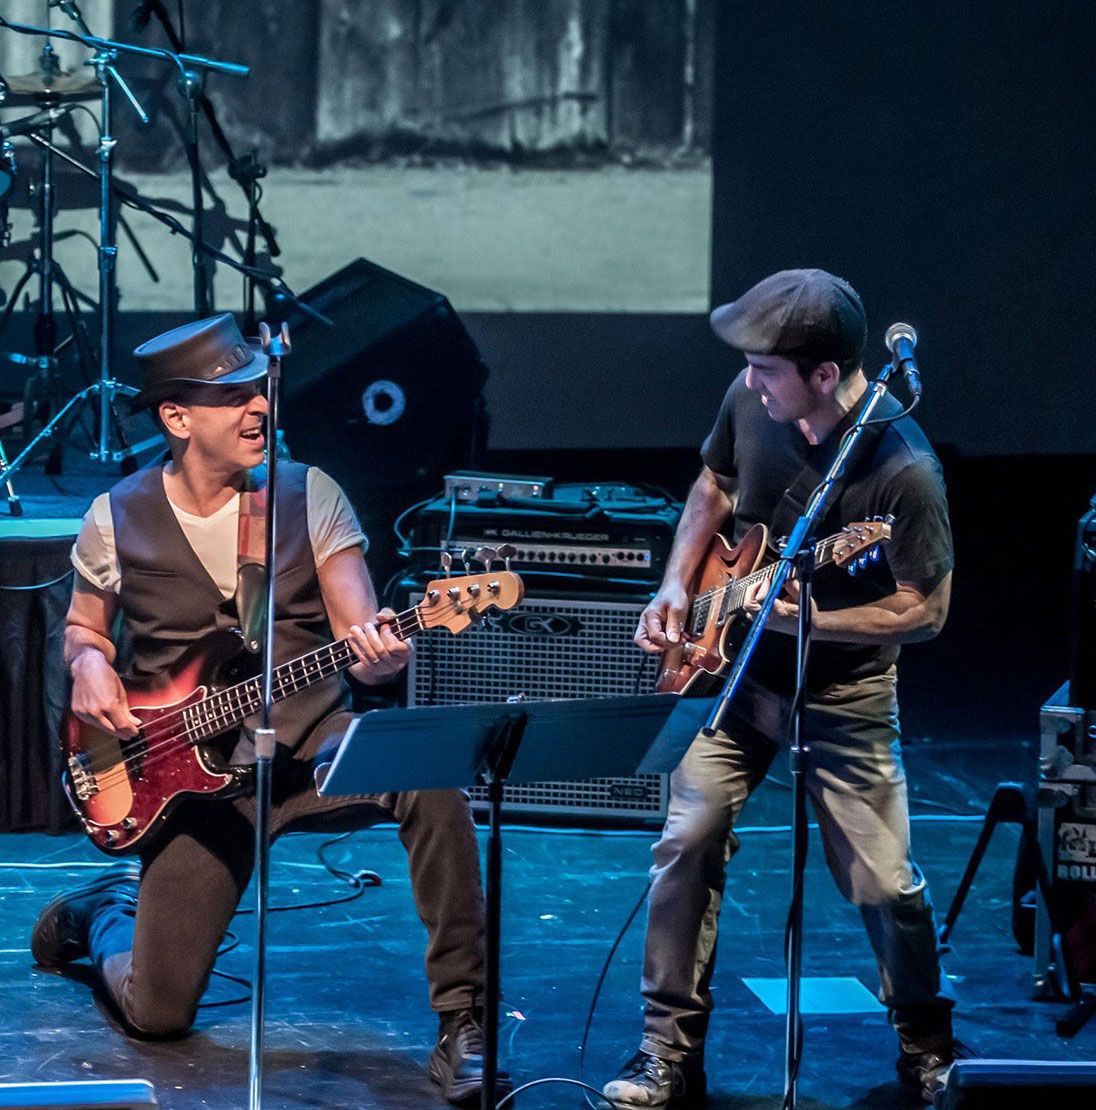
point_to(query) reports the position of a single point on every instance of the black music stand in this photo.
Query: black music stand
(434, 747)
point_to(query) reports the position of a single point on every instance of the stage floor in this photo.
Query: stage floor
(348, 1022)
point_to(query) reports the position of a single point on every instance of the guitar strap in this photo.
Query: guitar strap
(796, 496)
(251, 558)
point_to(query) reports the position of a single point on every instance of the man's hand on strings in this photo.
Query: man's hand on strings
(784, 616)
(661, 622)
(381, 652)
(98, 697)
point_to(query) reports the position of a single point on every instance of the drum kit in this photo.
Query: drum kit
(49, 96)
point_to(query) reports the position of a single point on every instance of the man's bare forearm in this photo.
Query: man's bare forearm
(79, 639)
(905, 617)
(705, 509)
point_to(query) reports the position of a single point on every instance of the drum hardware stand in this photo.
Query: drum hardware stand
(245, 170)
(41, 386)
(106, 388)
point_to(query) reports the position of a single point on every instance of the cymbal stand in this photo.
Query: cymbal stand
(41, 385)
(106, 388)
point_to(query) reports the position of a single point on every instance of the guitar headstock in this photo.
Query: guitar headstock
(858, 543)
(454, 603)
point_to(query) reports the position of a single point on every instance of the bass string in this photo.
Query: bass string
(167, 738)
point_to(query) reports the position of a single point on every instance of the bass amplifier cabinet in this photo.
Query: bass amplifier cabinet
(548, 647)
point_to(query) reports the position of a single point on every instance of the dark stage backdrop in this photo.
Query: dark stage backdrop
(941, 156)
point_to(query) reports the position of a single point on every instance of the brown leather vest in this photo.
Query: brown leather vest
(169, 601)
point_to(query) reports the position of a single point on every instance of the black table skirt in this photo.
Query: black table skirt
(34, 685)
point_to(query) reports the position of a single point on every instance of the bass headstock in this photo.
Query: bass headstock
(454, 603)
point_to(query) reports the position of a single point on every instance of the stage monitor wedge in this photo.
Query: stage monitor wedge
(1007, 1084)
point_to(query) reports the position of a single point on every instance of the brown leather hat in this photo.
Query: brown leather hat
(206, 352)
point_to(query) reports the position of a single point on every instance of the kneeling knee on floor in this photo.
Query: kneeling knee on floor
(161, 1017)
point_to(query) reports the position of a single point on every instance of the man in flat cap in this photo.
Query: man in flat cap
(803, 334)
(168, 549)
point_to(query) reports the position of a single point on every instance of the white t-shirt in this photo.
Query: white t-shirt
(332, 527)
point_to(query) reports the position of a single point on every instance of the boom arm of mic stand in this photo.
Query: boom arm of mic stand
(219, 137)
(180, 61)
(72, 10)
(261, 277)
(800, 535)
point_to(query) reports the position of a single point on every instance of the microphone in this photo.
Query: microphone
(32, 122)
(901, 340)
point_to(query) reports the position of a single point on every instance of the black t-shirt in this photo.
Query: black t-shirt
(900, 476)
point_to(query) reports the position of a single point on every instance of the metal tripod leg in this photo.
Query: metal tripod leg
(15, 506)
(1013, 805)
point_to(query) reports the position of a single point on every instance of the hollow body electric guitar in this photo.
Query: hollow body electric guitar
(719, 592)
(124, 790)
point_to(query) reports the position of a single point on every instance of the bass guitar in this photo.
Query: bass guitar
(124, 790)
(718, 597)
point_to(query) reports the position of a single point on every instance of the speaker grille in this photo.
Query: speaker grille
(549, 647)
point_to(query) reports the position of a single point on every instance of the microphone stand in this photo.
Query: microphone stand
(245, 169)
(798, 556)
(270, 282)
(276, 347)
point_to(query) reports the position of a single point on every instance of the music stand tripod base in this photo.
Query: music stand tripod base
(435, 747)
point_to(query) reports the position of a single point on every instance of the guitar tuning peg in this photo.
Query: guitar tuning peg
(465, 556)
(889, 518)
(446, 561)
(874, 554)
(506, 553)
(852, 567)
(486, 556)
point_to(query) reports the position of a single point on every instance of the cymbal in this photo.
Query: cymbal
(30, 89)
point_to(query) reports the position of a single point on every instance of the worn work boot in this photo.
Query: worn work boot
(456, 1064)
(648, 1082)
(927, 1072)
(60, 934)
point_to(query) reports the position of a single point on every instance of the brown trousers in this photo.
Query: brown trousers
(156, 965)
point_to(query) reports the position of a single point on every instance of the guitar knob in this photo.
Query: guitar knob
(129, 823)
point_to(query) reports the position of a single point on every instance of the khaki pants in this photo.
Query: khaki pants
(855, 780)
